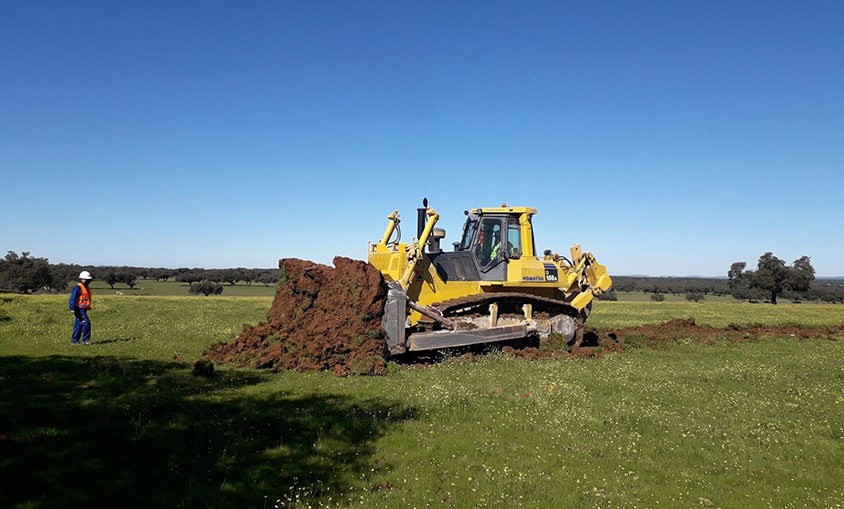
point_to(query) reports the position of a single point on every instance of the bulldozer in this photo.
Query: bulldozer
(492, 287)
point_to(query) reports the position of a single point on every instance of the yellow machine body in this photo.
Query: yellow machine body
(430, 276)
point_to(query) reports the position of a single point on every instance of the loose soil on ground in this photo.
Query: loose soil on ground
(598, 341)
(329, 319)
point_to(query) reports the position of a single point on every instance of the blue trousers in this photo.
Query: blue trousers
(81, 327)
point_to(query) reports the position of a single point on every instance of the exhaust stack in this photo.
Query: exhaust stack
(421, 219)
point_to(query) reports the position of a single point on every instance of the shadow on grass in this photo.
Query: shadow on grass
(103, 431)
(114, 340)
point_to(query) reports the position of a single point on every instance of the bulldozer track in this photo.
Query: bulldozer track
(470, 304)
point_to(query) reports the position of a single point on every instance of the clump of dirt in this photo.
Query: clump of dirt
(203, 368)
(322, 319)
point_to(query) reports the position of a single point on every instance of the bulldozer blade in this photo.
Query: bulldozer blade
(445, 339)
(395, 313)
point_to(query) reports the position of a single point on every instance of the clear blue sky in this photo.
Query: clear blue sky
(668, 138)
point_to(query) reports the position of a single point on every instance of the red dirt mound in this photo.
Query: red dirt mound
(322, 319)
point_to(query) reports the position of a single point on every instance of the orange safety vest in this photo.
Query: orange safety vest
(84, 300)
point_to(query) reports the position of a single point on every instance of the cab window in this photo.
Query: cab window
(468, 233)
(514, 239)
(489, 239)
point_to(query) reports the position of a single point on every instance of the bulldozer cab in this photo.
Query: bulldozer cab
(492, 237)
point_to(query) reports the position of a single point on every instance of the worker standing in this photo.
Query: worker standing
(80, 304)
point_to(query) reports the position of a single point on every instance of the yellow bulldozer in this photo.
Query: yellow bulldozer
(492, 287)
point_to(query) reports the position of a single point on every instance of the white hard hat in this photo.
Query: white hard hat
(85, 275)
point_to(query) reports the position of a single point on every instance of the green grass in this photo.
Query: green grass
(607, 314)
(150, 328)
(120, 423)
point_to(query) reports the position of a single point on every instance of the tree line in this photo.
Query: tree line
(25, 273)
(825, 290)
(771, 279)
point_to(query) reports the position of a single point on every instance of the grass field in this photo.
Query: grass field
(122, 423)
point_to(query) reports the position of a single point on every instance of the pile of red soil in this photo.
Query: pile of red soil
(322, 319)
